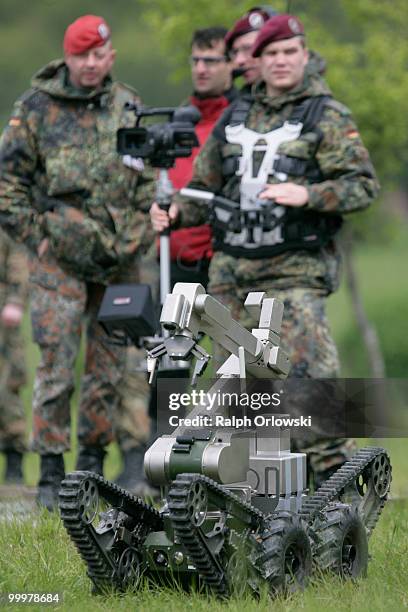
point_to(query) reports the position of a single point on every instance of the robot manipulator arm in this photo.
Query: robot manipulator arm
(189, 310)
(178, 347)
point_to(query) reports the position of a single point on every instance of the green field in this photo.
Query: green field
(37, 555)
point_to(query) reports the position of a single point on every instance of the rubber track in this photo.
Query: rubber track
(333, 488)
(189, 535)
(101, 568)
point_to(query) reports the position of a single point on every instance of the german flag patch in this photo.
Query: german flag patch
(14, 122)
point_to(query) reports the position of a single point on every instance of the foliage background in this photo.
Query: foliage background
(364, 43)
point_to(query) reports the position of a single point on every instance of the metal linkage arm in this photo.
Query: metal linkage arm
(189, 310)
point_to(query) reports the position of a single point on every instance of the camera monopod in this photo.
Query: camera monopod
(164, 192)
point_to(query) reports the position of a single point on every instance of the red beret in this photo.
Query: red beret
(252, 21)
(84, 33)
(277, 28)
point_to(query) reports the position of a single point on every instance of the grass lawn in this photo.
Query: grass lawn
(37, 556)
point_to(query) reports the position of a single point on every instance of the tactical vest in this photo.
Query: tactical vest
(266, 229)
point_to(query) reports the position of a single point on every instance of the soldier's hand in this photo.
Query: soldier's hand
(161, 219)
(12, 315)
(286, 194)
(43, 247)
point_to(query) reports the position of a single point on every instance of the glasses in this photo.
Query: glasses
(244, 49)
(207, 61)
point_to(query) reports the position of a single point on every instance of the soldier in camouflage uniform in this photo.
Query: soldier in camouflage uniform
(13, 295)
(321, 174)
(239, 42)
(66, 193)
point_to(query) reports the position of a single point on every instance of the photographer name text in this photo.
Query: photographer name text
(260, 420)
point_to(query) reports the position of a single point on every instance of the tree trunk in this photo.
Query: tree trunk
(368, 331)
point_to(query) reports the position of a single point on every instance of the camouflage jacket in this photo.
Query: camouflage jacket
(62, 178)
(348, 180)
(13, 272)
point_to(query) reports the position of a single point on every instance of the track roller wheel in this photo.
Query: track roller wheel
(341, 542)
(286, 561)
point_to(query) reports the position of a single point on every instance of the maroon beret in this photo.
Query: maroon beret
(85, 33)
(277, 28)
(252, 21)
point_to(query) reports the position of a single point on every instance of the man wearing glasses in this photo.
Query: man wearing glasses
(212, 82)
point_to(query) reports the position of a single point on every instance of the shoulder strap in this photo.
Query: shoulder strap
(240, 109)
(309, 112)
(235, 114)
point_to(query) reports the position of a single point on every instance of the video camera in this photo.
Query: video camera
(160, 143)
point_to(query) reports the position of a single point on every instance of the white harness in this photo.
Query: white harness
(250, 185)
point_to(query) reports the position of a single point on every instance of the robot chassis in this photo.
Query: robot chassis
(221, 525)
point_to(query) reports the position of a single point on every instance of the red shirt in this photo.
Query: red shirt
(194, 243)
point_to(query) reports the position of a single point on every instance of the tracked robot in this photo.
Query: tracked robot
(236, 513)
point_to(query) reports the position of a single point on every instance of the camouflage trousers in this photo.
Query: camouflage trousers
(62, 307)
(12, 378)
(305, 337)
(132, 420)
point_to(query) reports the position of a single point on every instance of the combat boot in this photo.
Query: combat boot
(14, 467)
(52, 473)
(90, 459)
(132, 477)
